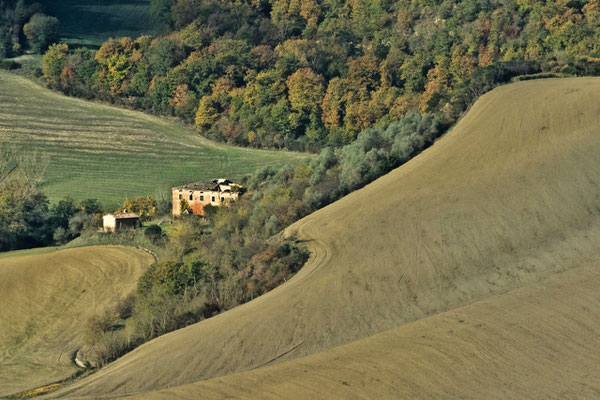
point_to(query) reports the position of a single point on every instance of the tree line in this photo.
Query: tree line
(304, 74)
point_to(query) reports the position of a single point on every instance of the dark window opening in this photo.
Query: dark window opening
(179, 196)
(201, 198)
(222, 199)
(212, 199)
(191, 196)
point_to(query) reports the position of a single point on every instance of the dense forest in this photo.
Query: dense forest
(302, 74)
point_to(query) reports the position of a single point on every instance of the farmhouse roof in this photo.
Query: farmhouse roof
(212, 186)
(199, 186)
(124, 215)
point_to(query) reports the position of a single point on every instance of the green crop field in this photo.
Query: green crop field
(90, 23)
(89, 150)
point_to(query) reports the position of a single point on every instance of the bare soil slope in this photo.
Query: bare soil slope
(508, 199)
(536, 342)
(46, 299)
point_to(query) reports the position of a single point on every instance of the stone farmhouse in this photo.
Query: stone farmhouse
(217, 193)
(118, 221)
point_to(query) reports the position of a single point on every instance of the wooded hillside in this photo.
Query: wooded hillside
(305, 73)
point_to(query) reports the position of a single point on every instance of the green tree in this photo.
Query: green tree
(160, 12)
(5, 41)
(91, 206)
(53, 63)
(41, 31)
(305, 90)
(145, 207)
(116, 57)
(23, 216)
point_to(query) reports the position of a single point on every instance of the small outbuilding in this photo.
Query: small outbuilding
(118, 221)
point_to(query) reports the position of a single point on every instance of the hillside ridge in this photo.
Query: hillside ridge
(507, 199)
(46, 303)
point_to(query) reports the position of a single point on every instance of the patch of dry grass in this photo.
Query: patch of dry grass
(44, 304)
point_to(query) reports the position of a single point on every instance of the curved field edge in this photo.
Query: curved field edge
(29, 252)
(537, 342)
(506, 200)
(91, 150)
(46, 300)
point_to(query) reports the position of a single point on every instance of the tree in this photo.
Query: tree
(23, 216)
(184, 206)
(116, 56)
(184, 102)
(53, 63)
(41, 31)
(61, 212)
(334, 103)
(305, 90)
(310, 11)
(5, 42)
(91, 206)
(285, 14)
(160, 12)
(207, 114)
(163, 55)
(153, 232)
(145, 207)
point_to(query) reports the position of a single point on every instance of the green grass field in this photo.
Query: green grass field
(29, 252)
(97, 151)
(89, 23)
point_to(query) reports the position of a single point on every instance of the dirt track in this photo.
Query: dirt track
(508, 200)
(45, 301)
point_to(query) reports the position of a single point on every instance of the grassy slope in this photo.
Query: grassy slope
(97, 151)
(508, 199)
(29, 252)
(90, 23)
(46, 298)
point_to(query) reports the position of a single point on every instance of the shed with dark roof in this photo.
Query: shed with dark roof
(118, 221)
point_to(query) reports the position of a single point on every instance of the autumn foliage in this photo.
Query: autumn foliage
(303, 74)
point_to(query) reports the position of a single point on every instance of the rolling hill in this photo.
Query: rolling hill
(535, 342)
(475, 265)
(46, 300)
(103, 152)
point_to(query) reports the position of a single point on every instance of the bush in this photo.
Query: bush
(9, 65)
(91, 206)
(153, 232)
(124, 307)
(97, 325)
